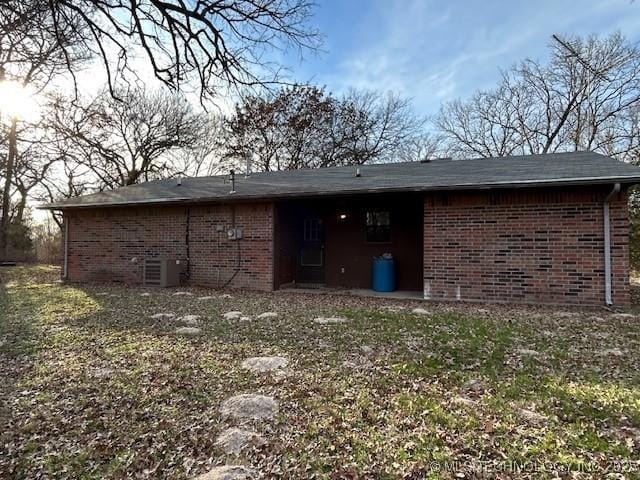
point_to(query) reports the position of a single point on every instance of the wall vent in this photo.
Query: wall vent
(160, 272)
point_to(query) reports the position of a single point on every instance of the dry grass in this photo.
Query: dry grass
(94, 388)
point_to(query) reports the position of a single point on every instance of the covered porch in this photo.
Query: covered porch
(329, 243)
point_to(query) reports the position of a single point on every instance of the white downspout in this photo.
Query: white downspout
(607, 245)
(65, 267)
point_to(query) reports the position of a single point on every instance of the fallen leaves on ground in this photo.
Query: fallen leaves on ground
(96, 384)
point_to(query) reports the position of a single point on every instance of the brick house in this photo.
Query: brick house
(538, 229)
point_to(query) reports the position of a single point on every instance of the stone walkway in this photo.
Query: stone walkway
(188, 331)
(329, 320)
(265, 364)
(242, 409)
(236, 316)
(229, 472)
(234, 440)
(249, 406)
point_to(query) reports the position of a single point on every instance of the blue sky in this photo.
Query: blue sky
(434, 51)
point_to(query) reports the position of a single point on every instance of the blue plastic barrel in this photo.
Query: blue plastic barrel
(384, 274)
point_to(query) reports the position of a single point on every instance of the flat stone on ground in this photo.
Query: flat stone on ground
(189, 331)
(145, 294)
(420, 311)
(462, 400)
(265, 364)
(159, 316)
(182, 294)
(249, 407)
(327, 320)
(366, 350)
(190, 319)
(267, 315)
(393, 308)
(476, 385)
(102, 373)
(532, 417)
(234, 440)
(527, 352)
(612, 352)
(207, 297)
(232, 315)
(229, 472)
(623, 316)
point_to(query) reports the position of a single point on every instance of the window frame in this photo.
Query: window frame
(367, 227)
(312, 225)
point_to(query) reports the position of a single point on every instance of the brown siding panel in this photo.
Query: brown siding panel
(347, 247)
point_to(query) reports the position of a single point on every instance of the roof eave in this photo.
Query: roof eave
(237, 197)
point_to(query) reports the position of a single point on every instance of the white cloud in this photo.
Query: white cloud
(435, 51)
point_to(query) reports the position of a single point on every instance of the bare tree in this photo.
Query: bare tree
(129, 141)
(421, 147)
(211, 45)
(305, 127)
(279, 131)
(202, 157)
(483, 126)
(32, 51)
(214, 43)
(375, 127)
(65, 179)
(47, 238)
(34, 164)
(585, 98)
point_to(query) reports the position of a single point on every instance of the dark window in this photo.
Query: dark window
(312, 229)
(378, 226)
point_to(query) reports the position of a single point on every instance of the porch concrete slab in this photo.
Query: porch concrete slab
(357, 292)
(399, 294)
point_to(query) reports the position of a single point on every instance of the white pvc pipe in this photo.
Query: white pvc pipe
(607, 245)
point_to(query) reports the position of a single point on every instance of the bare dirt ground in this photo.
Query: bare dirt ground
(96, 384)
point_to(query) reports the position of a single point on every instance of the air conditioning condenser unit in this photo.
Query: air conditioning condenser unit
(161, 272)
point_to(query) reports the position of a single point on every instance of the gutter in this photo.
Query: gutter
(607, 244)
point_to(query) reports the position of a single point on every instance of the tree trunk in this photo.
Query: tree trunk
(6, 192)
(21, 207)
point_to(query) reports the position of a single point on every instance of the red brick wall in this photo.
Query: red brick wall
(110, 244)
(528, 246)
(214, 259)
(524, 246)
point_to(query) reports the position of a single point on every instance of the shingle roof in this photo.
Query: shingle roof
(574, 168)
